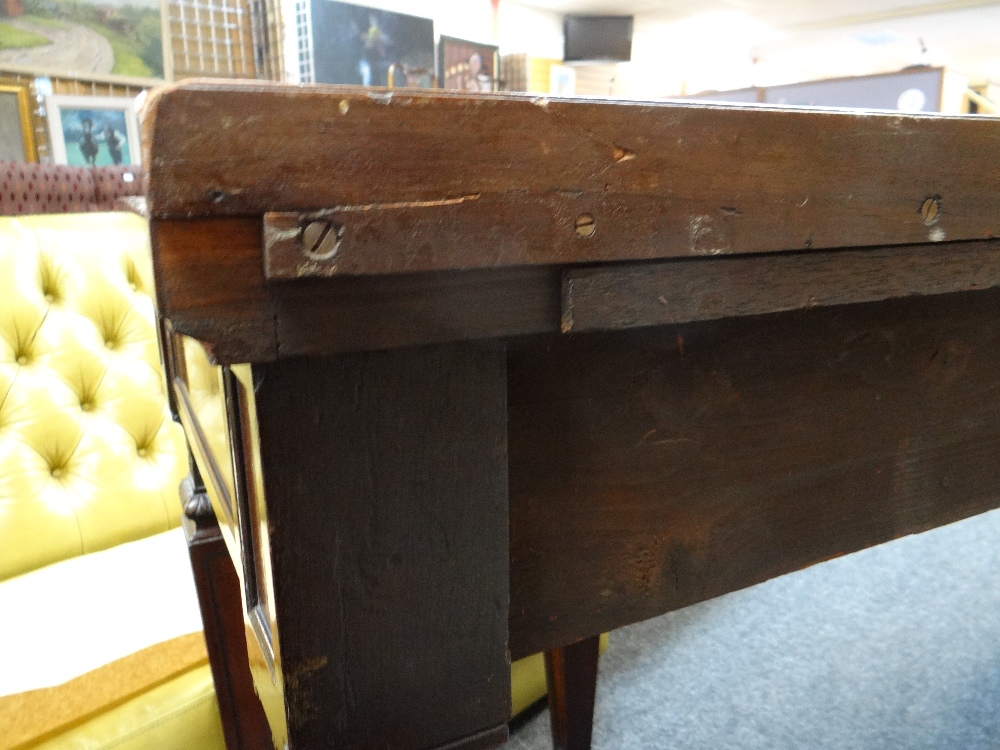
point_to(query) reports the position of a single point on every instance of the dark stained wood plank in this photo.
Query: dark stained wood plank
(661, 292)
(655, 468)
(210, 285)
(352, 314)
(224, 298)
(571, 677)
(385, 476)
(431, 181)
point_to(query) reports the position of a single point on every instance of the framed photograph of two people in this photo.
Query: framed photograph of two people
(93, 131)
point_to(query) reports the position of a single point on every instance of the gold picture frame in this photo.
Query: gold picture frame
(15, 124)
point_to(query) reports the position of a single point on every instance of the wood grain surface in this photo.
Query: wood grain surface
(655, 468)
(386, 485)
(647, 469)
(434, 181)
(627, 295)
(211, 285)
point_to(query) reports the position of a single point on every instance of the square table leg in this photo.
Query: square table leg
(385, 477)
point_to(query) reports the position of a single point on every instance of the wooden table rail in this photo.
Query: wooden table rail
(521, 370)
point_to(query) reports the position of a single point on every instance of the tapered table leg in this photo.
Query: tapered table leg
(571, 673)
(243, 721)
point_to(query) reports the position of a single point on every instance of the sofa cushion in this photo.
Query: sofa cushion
(182, 714)
(89, 456)
(76, 615)
(96, 631)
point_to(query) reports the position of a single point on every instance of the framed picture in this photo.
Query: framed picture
(17, 137)
(368, 47)
(93, 131)
(468, 66)
(83, 36)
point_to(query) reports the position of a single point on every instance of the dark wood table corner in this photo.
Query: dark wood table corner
(514, 385)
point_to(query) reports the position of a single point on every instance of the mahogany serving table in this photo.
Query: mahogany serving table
(516, 371)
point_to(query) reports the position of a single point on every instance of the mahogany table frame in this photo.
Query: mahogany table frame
(525, 370)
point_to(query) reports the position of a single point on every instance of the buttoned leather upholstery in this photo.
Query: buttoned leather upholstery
(54, 188)
(89, 456)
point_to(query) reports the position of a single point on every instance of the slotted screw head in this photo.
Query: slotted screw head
(930, 210)
(585, 225)
(320, 238)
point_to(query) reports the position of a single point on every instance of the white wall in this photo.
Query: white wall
(710, 50)
(728, 50)
(523, 29)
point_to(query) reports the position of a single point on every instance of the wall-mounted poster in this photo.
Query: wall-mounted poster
(364, 46)
(123, 37)
(93, 131)
(468, 66)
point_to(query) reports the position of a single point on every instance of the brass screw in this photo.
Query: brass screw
(585, 226)
(930, 210)
(320, 239)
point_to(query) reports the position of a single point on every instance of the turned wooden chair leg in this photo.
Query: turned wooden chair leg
(243, 721)
(571, 673)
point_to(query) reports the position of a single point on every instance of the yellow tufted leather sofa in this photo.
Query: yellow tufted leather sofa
(90, 464)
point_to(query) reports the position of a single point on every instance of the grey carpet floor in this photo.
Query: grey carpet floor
(896, 647)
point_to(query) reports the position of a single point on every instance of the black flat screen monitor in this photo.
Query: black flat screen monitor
(597, 38)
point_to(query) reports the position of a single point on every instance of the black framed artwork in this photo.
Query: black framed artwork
(364, 46)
